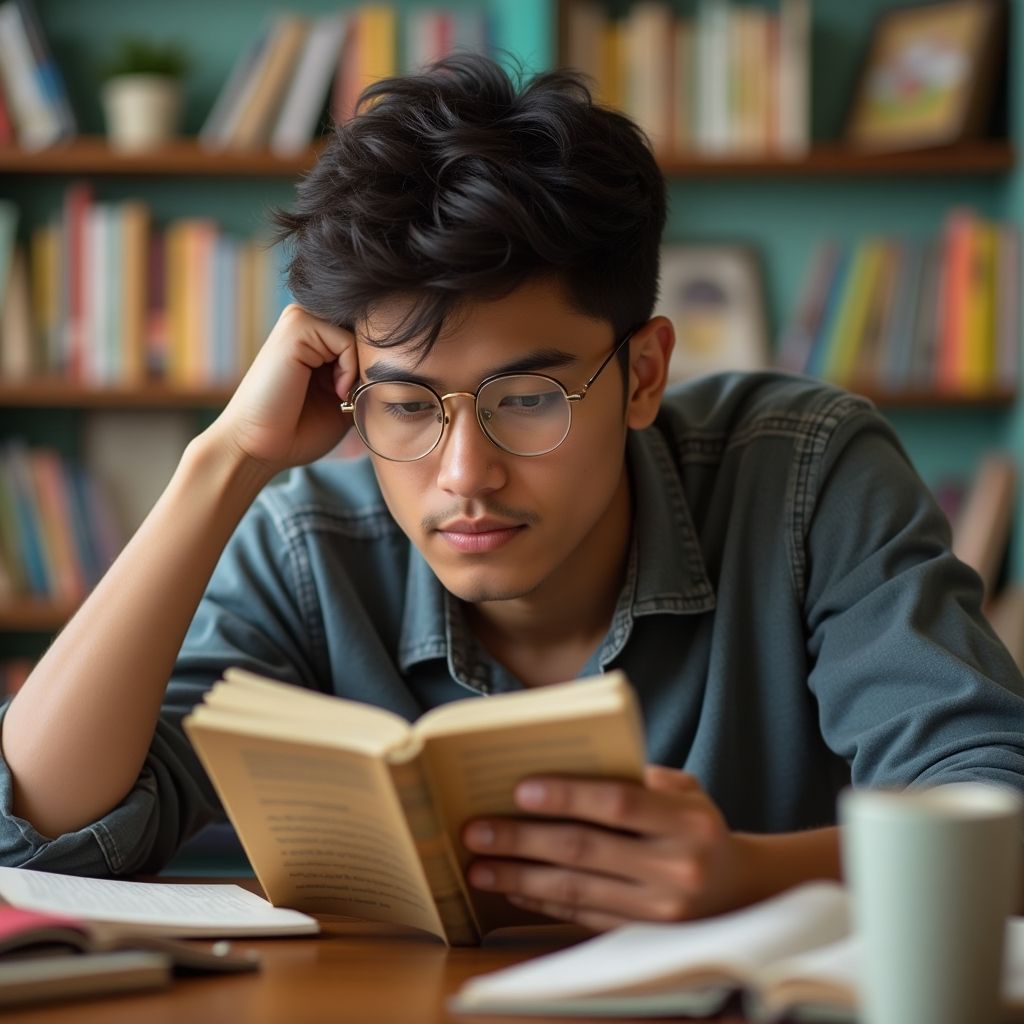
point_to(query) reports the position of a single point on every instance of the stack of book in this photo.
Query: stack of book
(298, 72)
(34, 108)
(938, 316)
(720, 79)
(58, 531)
(106, 298)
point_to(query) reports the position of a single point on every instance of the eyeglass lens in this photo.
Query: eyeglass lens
(525, 414)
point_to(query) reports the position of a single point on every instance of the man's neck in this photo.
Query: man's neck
(548, 635)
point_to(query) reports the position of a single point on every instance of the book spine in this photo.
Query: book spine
(1007, 304)
(36, 122)
(51, 81)
(440, 865)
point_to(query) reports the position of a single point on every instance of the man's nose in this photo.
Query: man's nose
(470, 462)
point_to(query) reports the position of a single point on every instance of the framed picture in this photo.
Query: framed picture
(928, 77)
(714, 296)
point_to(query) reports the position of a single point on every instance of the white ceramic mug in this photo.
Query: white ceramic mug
(933, 874)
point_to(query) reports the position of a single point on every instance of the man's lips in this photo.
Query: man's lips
(475, 536)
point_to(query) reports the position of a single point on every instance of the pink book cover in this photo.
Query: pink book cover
(953, 297)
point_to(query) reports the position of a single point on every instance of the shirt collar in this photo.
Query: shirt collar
(665, 572)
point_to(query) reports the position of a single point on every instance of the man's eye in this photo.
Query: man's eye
(524, 402)
(405, 409)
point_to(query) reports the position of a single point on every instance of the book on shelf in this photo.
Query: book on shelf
(58, 531)
(981, 528)
(343, 808)
(937, 316)
(107, 297)
(725, 78)
(790, 957)
(304, 102)
(299, 74)
(34, 95)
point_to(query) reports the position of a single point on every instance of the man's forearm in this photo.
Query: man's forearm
(76, 735)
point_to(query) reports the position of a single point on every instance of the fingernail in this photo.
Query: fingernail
(480, 835)
(481, 877)
(531, 794)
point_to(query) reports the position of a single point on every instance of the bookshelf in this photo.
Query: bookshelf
(781, 205)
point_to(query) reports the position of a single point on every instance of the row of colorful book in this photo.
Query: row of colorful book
(297, 72)
(935, 315)
(104, 296)
(717, 78)
(58, 529)
(35, 110)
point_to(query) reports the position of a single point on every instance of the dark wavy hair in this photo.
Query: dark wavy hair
(463, 183)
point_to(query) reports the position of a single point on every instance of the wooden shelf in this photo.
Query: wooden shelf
(34, 615)
(62, 394)
(834, 160)
(997, 399)
(92, 155)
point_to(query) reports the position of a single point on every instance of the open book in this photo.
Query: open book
(63, 937)
(346, 809)
(792, 956)
(115, 906)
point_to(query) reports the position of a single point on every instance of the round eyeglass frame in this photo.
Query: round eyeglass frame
(349, 404)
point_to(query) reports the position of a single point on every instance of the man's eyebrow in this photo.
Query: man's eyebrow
(542, 359)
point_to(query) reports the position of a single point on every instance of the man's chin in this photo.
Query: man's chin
(477, 590)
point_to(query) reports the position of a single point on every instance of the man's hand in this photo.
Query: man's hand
(614, 852)
(285, 412)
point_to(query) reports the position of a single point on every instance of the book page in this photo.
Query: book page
(321, 826)
(311, 714)
(475, 773)
(440, 863)
(182, 910)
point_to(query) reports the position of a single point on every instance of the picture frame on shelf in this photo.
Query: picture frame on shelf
(714, 296)
(928, 76)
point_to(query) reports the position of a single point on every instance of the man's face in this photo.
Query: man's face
(495, 526)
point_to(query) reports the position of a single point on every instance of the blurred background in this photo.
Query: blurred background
(845, 202)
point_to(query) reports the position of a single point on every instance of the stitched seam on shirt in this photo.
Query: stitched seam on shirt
(108, 846)
(367, 526)
(681, 514)
(295, 537)
(697, 445)
(805, 481)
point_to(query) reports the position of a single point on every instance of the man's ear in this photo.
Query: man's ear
(649, 352)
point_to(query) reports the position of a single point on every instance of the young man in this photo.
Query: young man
(476, 269)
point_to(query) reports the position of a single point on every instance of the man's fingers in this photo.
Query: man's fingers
(595, 920)
(580, 892)
(670, 780)
(620, 805)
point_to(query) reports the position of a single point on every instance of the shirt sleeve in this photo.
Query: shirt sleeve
(913, 686)
(249, 616)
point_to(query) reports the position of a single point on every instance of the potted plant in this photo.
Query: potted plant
(142, 93)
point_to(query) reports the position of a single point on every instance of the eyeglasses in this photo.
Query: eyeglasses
(521, 413)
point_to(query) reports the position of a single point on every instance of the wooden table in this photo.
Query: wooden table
(352, 973)
(363, 974)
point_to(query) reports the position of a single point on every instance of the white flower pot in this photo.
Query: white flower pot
(142, 111)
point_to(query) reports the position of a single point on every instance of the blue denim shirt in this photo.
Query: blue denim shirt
(792, 619)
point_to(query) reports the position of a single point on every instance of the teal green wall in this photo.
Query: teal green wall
(783, 218)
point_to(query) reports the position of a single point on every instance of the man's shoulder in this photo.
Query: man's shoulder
(335, 495)
(738, 407)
